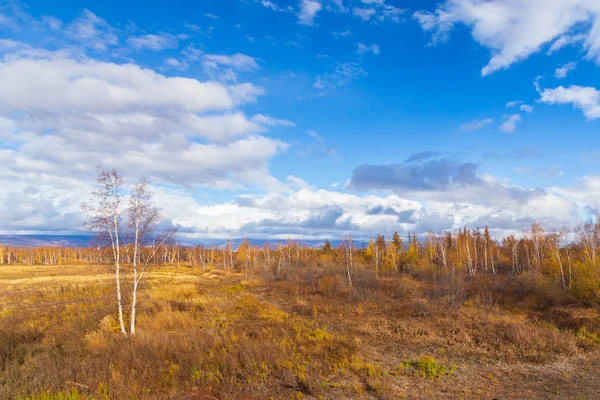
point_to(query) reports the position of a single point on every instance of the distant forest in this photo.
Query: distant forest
(566, 261)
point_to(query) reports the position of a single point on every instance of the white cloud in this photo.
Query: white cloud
(308, 214)
(299, 183)
(476, 124)
(4, 20)
(526, 108)
(94, 86)
(340, 6)
(245, 92)
(585, 98)
(363, 48)
(342, 34)
(342, 75)
(377, 10)
(238, 61)
(190, 53)
(513, 30)
(179, 131)
(565, 40)
(510, 124)
(270, 121)
(308, 11)
(513, 103)
(364, 13)
(175, 63)
(271, 5)
(586, 193)
(92, 31)
(158, 42)
(348, 71)
(51, 22)
(562, 71)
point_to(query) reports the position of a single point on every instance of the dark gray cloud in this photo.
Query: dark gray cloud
(326, 220)
(431, 175)
(404, 216)
(439, 177)
(381, 210)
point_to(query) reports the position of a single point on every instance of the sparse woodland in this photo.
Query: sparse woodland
(566, 263)
(453, 315)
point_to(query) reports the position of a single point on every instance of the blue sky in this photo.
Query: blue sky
(304, 118)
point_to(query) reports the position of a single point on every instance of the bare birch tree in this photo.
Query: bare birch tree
(105, 214)
(106, 211)
(348, 245)
(143, 219)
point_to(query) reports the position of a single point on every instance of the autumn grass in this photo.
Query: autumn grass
(218, 334)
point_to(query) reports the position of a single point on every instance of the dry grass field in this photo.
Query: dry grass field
(222, 335)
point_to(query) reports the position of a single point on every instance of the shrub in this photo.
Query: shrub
(426, 367)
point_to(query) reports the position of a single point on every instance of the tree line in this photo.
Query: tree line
(566, 256)
(128, 236)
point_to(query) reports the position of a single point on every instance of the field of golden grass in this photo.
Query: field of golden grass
(222, 335)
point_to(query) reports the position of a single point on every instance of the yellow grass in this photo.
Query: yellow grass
(224, 335)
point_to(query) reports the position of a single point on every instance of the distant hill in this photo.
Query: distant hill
(46, 240)
(273, 242)
(86, 240)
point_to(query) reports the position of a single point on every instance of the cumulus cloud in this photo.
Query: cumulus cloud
(273, 6)
(526, 108)
(363, 49)
(176, 130)
(561, 72)
(4, 20)
(476, 124)
(92, 31)
(309, 214)
(510, 124)
(429, 175)
(28, 84)
(377, 10)
(513, 30)
(585, 98)
(51, 22)
(586, 193)
(339, 4)
(564, 41)
(175, 63)
(343, 73)
(226, 67)
(270, 121)
(308, 11)
(341, 34)
(154, 42)
(238, 61)
(364, 13)
(44, 207)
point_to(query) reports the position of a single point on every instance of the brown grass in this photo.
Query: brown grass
(224, 335)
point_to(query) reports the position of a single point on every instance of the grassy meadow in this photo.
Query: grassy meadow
(218, 334)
